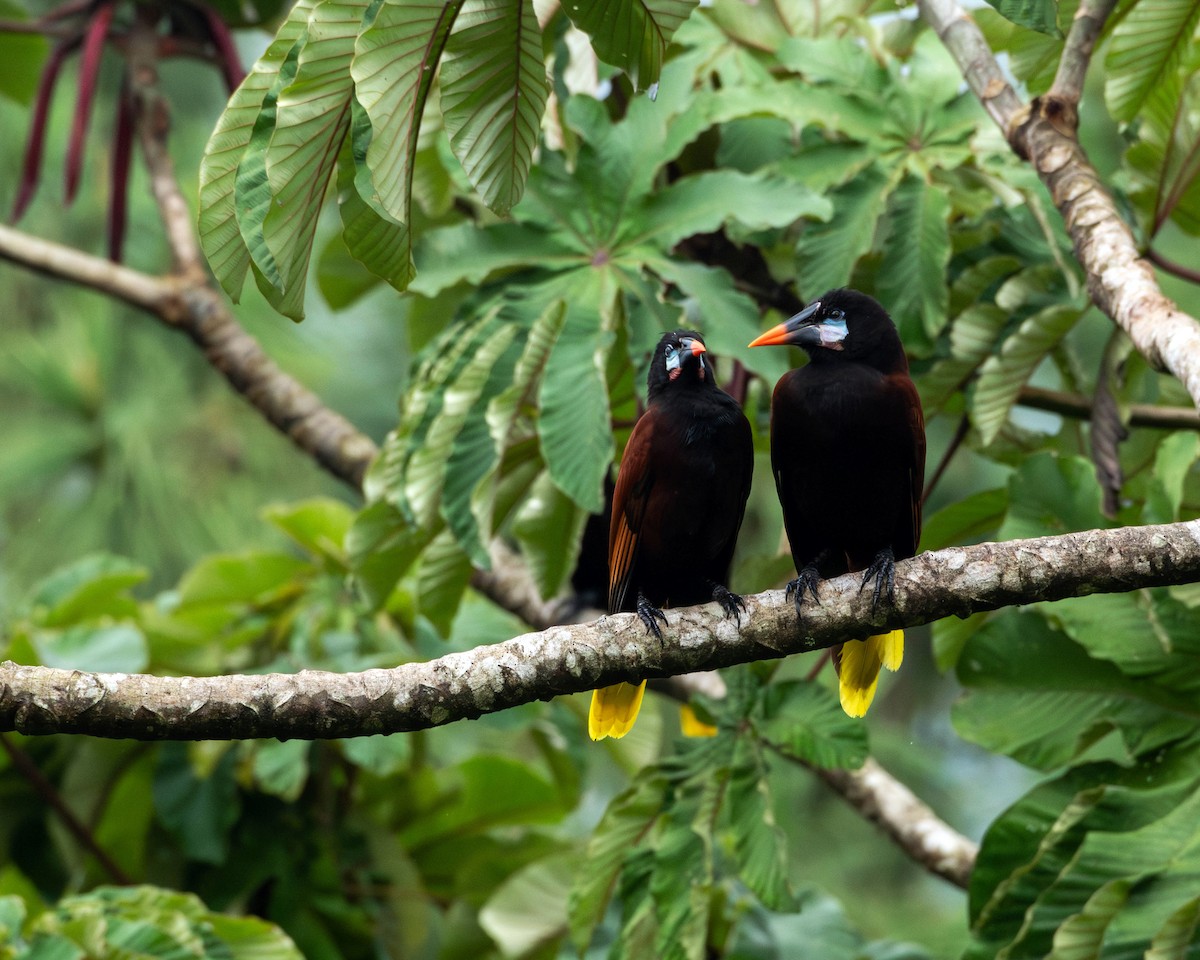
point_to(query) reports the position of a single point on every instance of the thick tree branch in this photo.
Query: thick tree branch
(575, 658)
(1120, 282)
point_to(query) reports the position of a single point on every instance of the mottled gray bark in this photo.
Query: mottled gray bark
(578, 657)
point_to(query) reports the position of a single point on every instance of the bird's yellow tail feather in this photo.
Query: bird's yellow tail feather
(614, 709)
(858, 665)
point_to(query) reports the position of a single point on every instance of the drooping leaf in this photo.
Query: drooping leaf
(1039, 15)
(549, 527)
(574, 429)
(759, 845)
(965, 521)
(219, 234)
(1147, 46)
(493, 93)
(311, 125)
(631, 34)
(394, 60)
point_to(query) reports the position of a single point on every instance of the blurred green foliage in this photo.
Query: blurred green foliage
(830, 143)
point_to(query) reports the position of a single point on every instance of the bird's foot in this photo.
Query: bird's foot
(883, 571)
(731, 603)
(806, 580)
(650, 615)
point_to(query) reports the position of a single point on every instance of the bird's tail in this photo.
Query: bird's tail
(614, 709)
(858, 663)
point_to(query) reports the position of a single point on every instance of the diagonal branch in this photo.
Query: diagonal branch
(1120, 282)
(579, 657)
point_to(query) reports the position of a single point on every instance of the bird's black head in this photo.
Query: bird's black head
(842, 326)
(679, 360)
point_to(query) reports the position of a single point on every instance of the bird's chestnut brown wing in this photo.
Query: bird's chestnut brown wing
(634, 482)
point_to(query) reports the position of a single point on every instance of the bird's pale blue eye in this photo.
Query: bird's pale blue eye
(837, 314)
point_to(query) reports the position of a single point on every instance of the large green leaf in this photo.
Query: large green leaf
(912, 279)
(219, 234)
(574, 427)
(493, 93)
(466, 253)
(1147, 48)
(394, 60)
(1051, 494)
(312, 121)
(1039, 15)
(631, 34)
(549, 527)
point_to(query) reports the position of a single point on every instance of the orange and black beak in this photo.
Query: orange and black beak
(806, 329)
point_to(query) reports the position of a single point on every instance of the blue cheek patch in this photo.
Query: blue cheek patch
(833, 332)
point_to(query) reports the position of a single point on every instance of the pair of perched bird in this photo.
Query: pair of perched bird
(848, 455)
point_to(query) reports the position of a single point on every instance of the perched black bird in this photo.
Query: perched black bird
(848, 453)
(681, 492)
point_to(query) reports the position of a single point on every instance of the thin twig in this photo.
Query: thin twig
(1078, 407)
(1176, 269)
(24, 765)
(960, 434)
(1089, 21)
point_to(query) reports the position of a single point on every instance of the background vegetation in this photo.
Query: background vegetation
(152, 522)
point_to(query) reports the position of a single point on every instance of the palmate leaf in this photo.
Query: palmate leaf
(1002, 375)
(703, 202)
(395, 57)
(804, 721)
(219, 234)
(631, 34)
(312, 120)
(493, 94)
(549, 527)
(1147, 47)
(912, 279)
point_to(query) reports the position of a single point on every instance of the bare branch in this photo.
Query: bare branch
(1077, 406)
(907, 820)
(24, 764)
(579, 657)
(155, 294)
(1077, 52)
(1120, 282)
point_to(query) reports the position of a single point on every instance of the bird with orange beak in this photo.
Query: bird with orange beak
(678, 504)
(848, 454)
